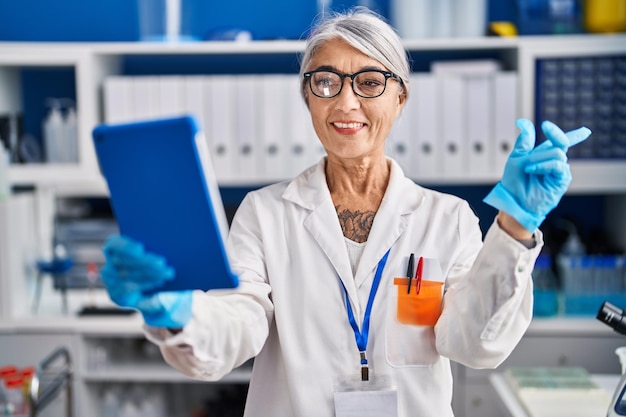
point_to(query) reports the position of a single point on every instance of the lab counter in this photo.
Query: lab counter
(132, 324)
(512, 406)
(549, 342)
(103, 325)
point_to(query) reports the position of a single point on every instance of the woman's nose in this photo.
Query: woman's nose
(347, 99)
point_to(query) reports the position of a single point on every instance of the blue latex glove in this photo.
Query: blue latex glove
(129, 271)
(535, 178)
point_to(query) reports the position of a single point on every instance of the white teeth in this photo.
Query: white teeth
(348, 125)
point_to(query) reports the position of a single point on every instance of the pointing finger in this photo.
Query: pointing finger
(578, 135)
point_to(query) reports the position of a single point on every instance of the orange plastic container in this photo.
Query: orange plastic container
(419, 309)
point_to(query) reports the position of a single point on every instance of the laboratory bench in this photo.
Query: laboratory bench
(549, 342)
(513, 406)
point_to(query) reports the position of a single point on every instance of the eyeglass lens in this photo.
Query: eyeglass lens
(365, 84)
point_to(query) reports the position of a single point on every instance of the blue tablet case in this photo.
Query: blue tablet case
(164, 194)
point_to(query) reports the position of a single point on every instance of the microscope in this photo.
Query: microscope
(614, 318)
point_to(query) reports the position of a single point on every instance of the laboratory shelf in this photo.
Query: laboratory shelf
(94, 62)
(157, 373)
(90, 326)
(565, 325)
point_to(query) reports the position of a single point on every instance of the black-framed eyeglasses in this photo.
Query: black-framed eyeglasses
(369, 83)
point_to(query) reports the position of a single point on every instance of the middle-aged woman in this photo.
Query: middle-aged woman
(317, 257)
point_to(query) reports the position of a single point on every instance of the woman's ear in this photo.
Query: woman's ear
(402, 93)
(402, 97)
(305, 96)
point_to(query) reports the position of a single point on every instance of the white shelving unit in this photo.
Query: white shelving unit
(104, 352)
(92, 63)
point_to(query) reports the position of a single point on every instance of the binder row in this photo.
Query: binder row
(257, 126)
(454, 126)
(457, 125)
(590, 92)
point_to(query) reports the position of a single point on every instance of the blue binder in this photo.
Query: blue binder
(164, 194)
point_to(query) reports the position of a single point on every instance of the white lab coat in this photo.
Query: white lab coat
(289, 312)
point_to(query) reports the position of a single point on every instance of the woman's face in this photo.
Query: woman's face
(351, 127)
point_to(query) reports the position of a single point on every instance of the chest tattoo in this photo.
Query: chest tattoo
(355, 225)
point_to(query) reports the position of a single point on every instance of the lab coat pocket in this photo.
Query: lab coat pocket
(410, 338)
(408, 344)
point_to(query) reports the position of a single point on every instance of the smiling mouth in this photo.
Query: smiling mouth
(351, 125)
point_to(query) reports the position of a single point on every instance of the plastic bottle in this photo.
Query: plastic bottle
(5, 188)
(154, 403)
(469, 18)
(573, 246)
(5, 372)
(110, 403)
(53, 132)
(70, 136)
(442, 14)
(545, 288)
(412, 18)
(15, 402)
(130, 409)
(27, 374)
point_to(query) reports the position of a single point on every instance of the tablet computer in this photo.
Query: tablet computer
(164, 194)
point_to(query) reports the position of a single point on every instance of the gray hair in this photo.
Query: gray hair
(365, 31)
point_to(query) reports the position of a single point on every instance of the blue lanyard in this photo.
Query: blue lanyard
(362, 335)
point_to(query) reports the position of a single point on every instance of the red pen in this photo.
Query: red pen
(418, 274)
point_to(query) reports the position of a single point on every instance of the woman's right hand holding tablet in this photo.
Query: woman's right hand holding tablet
(130, 271)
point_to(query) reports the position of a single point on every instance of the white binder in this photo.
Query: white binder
(452, 116)
(145, 97)
(247, 128)
(505, 114)
(480, 152)
(273, 138)
(194, 98)
(304, 146)
(170, 96)
(118, 99)
(401, 139)
(221, 130)
(427, 148)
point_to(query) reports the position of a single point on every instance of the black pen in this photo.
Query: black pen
(410, 270)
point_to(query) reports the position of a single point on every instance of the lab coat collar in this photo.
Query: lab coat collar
(310, 191)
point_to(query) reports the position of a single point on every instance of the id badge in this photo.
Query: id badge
(377, 397)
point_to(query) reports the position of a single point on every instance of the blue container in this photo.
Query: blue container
(545, 288)
(548, 17)
(589, 280)
(546, 303)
